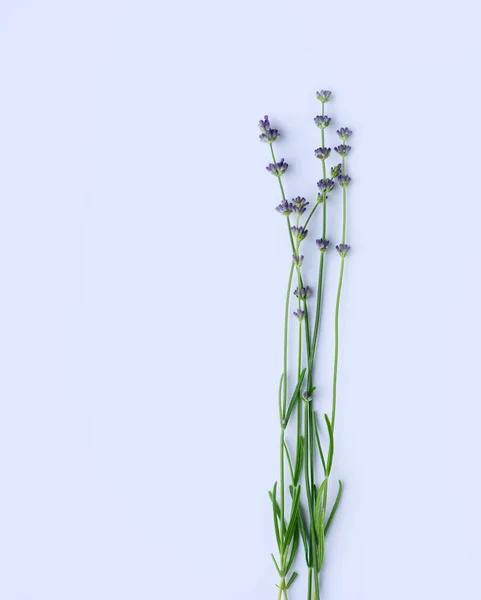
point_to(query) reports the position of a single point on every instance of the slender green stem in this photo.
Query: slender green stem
(336, 344)
(286, 328)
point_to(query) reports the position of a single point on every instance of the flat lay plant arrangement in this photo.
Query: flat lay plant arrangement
(303, 506)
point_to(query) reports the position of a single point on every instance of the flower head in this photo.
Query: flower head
(299, 205)
(300, 233)
(277, 169)
(336, 171)
(322, 121)
(322, 153)
(268, 135)
(342, 150)
(300, 314)
(344, 133)
(297, 260)
(343, 249)
(307, 397)
(343, 180)
(304, 293)
(323, 96)
(326, 185)
(284, 208)
(322, 244)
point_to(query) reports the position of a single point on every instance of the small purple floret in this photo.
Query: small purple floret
(322, 153)
(336, 171)
(284, 208)
(277, 169)
(322, 244)
(322, 121)
(304, 293)
(343, 180)
(324, 96)
(300, 314)
(344, 133)
(342, 150)
(326, 185)
(299, 232)
(343, 249)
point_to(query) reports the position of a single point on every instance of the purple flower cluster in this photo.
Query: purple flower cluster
(300, 314)
(325, 185)
(277, 169)
(324, 96)
(304, 293)
(342, 149)
(343, 180)
(343, 249)
(322, 153)
(268, 135)
(284, 208)
(322, 121)
(344, 133)
(299, 205)
(336, 171)
(300, 233)
(322, 244)
(298, 260)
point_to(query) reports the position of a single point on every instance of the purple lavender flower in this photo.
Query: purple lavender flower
(299, 205)
(342, 150)
(343, 180)
(306, 397)
(298, 260)
(300, 314)
(284, 208)
(299, 232)
(336, 171)
(322, 121)
(322, 244)
(322, 153)
(343, 249)
(277, 169)
(268, 135)
(324, 96)
(344, 133)
(326, 185)
(304, 293)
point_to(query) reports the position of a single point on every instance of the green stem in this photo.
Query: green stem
(336, 345)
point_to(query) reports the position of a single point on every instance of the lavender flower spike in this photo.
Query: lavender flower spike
(322, 244)
(277, 169)
(326, 185)
(322, 121)
(299, 232)
(324, 96)
(300, 314)
(343, 249)
(284, 208)
(299, 205)
(344, 133)
(343, 180)
(322, 153)
(336, 171)
(268, 135)
(304, 293)
(342, 150)
(298, 260)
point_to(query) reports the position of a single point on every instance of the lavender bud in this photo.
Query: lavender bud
(298, 260)
(342, 150)
(299, 232)
(270, 136)
(324, 96)
(322, 153)
(299, 210)
(343, 249)
(336, 171)
(306, 397)
(322, 244)
(322, 121)
(344, 133)
(284, 208)
(264, 124)
(326, 185)
(300, 314)
(277, 169)
(300, 202)
(304, 293)
(343, 180)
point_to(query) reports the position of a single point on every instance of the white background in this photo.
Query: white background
(143, 273)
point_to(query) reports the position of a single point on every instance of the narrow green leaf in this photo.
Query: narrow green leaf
(294, 399)
(276, 513)
(289, 461)
(277, 566)
(299, 460)
(320, 556)
(291, 580)
(292, 556)
(275, 504)
(293, 522)
(334, 508)
(330, 454)
(319, 524)
(281, 387)
(304, 536)
(319, 445)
